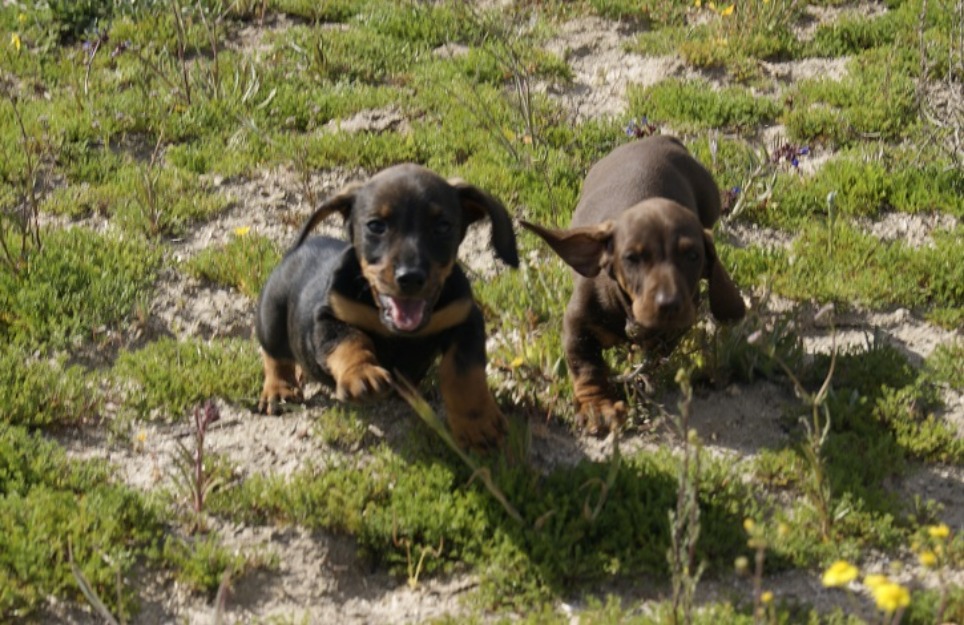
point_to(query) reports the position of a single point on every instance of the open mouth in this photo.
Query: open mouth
(403, 314)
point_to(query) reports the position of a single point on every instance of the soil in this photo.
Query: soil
(318, 578)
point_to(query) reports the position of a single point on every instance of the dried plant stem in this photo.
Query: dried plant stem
(411, 395)
(181, 48)
(27, 223)
(685, 519)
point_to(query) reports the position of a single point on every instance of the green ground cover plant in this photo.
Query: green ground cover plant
(692, 106)
(244, 263)
(167, 376)
(855, 267)
(45, 392)
(78, 285)
(52, 506)
(123, 121)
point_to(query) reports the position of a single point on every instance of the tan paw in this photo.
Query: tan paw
(362, 381)
(600, 416)
(274, 392)
(480, 430)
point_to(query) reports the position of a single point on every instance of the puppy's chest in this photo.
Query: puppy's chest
(410, 357)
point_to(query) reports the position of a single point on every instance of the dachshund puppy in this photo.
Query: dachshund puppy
(639, 243)
(390, 299)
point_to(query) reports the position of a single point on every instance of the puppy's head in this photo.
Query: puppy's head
(656, 251)
(406, 224)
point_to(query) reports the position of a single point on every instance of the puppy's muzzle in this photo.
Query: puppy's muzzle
(406, 305)
(410, 280)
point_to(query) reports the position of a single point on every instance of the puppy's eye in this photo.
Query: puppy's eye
(442, 228)
(632, 258)
(376, 226)
(691, 255)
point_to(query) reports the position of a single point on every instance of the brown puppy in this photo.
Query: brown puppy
(392, 298)
(639, 243)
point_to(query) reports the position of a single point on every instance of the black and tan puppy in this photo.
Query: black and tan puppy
(639, 243)
(392, 298)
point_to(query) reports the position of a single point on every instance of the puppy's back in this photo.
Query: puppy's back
(658, 166)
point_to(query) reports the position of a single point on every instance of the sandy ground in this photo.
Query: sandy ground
(318, 579)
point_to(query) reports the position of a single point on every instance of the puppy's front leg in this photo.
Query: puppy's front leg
(353, 365)
(473, 415)
(598, 408)
(281, 383)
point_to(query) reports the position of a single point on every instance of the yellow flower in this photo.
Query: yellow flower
(766, 597)
(698, 3)
(891, 596)
(928, 559)
(749, 525)
(711, 6)
(840, 573)
(742, 565)
(783, 530)
(22, 18)
(939, 531)
(242, 230)
(15, 41)
(875, 580)
(141, 436)
(517, 362)
(727, 11)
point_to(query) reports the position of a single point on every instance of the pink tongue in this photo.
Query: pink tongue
(407, 313)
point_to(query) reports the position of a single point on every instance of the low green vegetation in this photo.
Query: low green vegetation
(243, 263)
(204, 565)
(55, 511)
(78, 286)
(123, 123)
(694, 106)
(557, 547)
(167, 377)
(837, 262)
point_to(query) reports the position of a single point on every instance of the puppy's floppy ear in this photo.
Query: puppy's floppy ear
(726, 303)
(477, 204)
(586, 249)
(342, 202)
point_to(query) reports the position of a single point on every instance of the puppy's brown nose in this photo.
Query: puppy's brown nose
(668, 302)
(410, 280)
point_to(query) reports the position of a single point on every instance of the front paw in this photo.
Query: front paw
(600, 416)
(481, 429)
(362, 381)
(275, 391)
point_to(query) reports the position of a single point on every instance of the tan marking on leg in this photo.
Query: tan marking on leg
(474, 417)
(356, 370)
(281, 383)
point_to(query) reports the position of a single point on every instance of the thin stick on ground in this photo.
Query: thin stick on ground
(411, 395)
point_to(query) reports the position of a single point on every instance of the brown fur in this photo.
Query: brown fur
(639, 243)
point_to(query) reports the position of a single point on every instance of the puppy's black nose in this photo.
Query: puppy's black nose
(410, 279)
